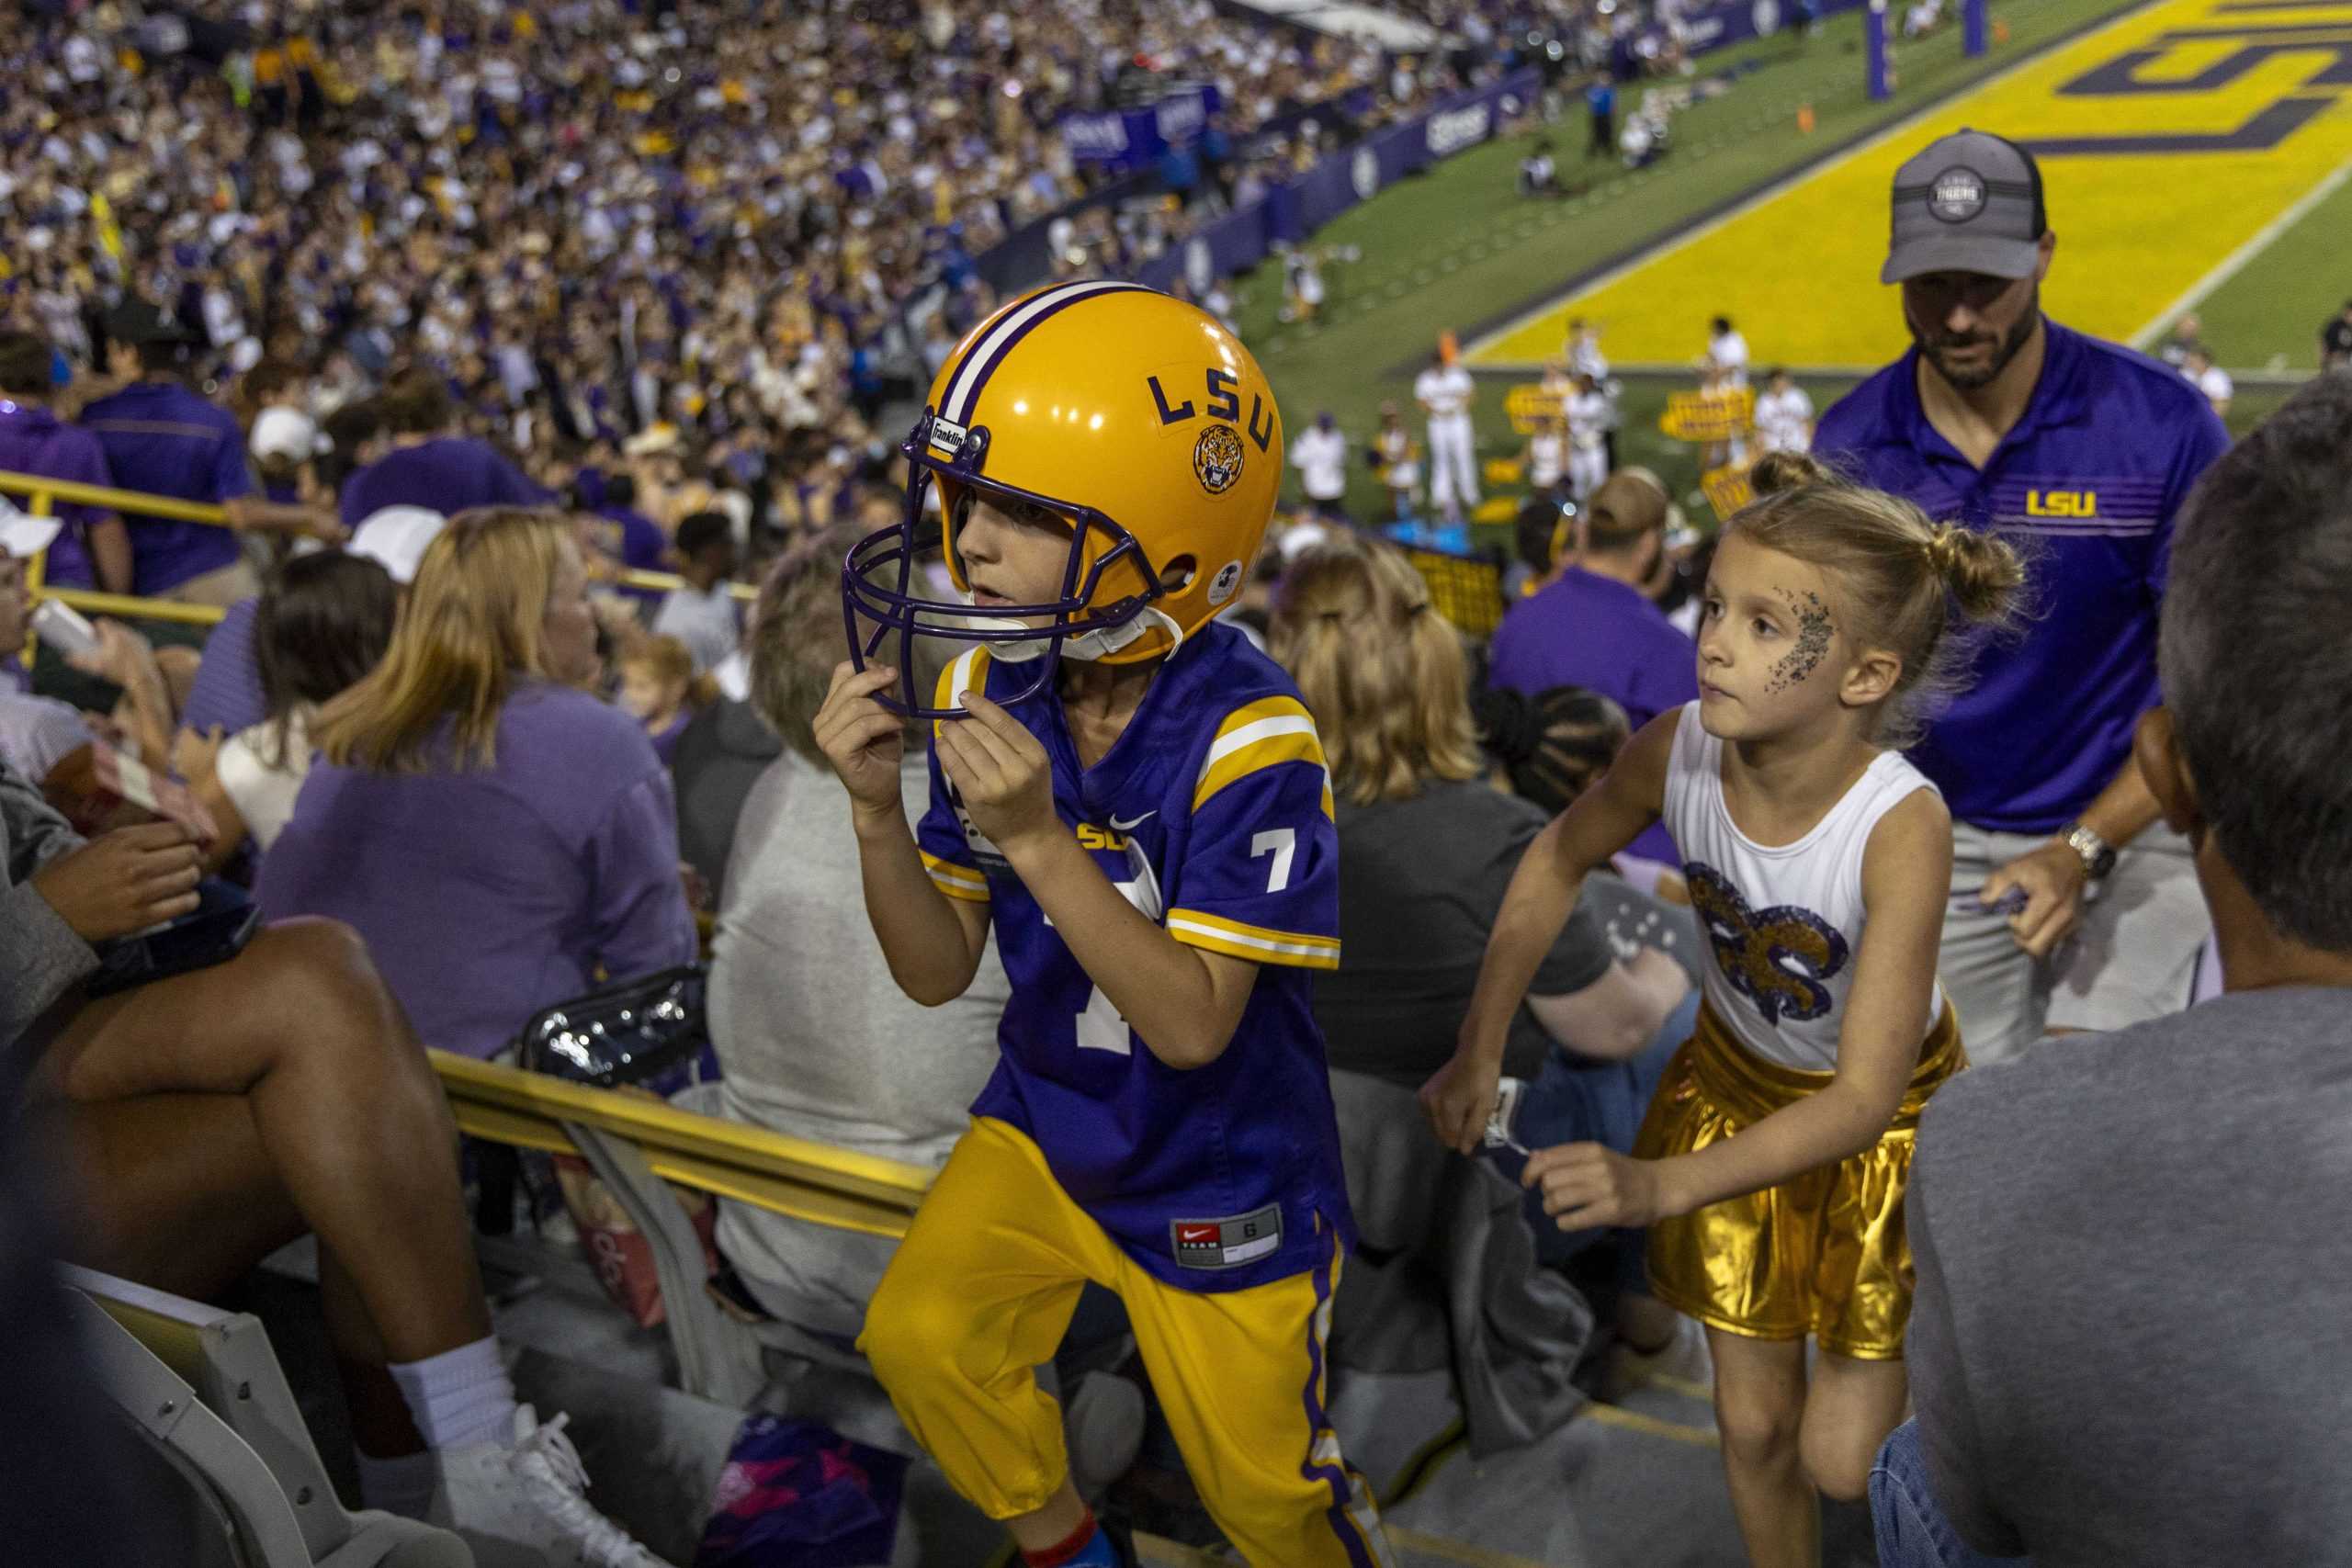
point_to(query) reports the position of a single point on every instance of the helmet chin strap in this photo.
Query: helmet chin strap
(1098, 643)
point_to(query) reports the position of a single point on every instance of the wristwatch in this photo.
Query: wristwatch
(2097, 854)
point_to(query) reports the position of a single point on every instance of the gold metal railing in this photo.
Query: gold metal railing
(43, 496)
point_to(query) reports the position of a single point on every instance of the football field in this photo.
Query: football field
(2178, 143)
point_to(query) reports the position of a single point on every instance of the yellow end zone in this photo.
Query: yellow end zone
(2168, 140)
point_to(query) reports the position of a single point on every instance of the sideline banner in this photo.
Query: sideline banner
(1708, 416)
(1296, 208)
(1126, 139)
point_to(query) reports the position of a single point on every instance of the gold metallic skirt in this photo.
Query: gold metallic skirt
(1823, 1253)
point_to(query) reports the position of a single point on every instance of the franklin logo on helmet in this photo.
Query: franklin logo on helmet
(1134, 418)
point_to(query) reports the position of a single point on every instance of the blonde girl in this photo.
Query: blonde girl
(1771, 1167)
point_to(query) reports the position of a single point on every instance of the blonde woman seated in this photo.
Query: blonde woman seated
(500, 838)
(1429, 838)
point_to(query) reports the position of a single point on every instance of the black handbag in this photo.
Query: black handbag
(650, 1033)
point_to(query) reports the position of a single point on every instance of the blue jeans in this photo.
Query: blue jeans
(1576, 1100)
(1911, 1528)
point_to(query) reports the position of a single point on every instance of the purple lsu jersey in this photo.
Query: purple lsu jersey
(1212, 814)
(2086, 487)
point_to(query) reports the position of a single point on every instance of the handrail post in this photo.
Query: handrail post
(34, 569)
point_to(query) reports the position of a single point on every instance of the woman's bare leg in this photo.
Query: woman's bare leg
(346, 1115)
(186, 1199)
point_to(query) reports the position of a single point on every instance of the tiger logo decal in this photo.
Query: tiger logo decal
(1217, 458)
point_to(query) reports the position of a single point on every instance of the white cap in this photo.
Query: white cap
(23, 535)
(285, 432)
(652, 442)
(395, 538)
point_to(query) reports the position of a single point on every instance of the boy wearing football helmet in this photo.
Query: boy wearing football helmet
(1134, 801)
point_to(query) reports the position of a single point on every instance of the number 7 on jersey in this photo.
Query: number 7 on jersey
(1282, 844)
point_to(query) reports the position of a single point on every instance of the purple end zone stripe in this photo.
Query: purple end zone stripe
(972, 377)
(1319, 1421)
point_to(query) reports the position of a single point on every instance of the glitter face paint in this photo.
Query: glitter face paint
(1812, 641)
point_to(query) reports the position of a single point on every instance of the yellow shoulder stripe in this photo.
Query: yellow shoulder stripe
(1262, 734)
(1258, 944)
(955, 881)
(1264, 707)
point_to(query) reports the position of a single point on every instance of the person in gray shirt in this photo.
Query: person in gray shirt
(814, 1037)
(2132, 1338)
(700, 612)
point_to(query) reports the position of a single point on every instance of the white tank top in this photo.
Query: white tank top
(1785, 921)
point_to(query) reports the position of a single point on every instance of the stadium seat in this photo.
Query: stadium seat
(203, 1388)
(639, 1147)
(1465, 587)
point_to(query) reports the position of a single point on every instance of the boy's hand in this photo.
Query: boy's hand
(1002, 772)
(862, 738)
(1591, 1184)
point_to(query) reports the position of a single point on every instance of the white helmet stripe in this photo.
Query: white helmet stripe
(965, 389)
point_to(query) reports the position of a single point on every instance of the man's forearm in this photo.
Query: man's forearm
(2124, 809)
(110, 555)
(264, 516)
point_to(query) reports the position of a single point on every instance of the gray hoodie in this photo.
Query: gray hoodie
(39, 956)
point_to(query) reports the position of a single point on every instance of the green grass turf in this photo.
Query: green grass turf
(1458, 247)
(2267, 317)
(1640, 441)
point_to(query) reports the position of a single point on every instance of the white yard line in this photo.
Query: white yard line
(2235, 262)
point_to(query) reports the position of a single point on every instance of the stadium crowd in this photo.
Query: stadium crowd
(457, 360)
(591, 224)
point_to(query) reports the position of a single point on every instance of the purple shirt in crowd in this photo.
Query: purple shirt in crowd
(1584, 629)
(446, 474)
(637, 542)
(2087, 486)
(35, 441)
(162, 439)
(665, 745)
(227, 692)
(488, 894)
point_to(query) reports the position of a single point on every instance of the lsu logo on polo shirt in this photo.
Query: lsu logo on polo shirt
(2062, 503)
(2073, 506)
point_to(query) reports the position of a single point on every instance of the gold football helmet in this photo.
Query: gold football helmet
(1134, 416)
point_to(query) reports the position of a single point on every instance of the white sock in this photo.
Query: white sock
(459, 1396)
(402, 1485)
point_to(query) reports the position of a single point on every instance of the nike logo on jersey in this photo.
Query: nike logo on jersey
(1132, 823)
(1227, 1243)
